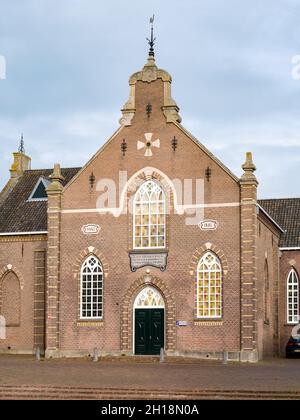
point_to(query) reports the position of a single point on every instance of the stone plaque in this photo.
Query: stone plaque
(208, 225)
(142, 259)
(90, 229)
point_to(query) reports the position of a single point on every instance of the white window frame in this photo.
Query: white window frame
(46, 184)
(158, 202)
(293, 283)
(85, 264)
(218, 262)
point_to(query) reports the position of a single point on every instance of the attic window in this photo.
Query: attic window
(39, 192)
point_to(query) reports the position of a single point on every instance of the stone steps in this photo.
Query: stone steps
(81, 393)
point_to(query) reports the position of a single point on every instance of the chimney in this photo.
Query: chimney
(21, 162)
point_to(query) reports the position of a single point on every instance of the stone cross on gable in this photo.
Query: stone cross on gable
(148, 144)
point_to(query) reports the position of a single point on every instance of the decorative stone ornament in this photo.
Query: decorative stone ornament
(249, 169)
(148, 144)
(56, 180)
(208, 225)
(90, 229)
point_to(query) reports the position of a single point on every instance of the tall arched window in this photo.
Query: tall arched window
(293, 297)
(209, 287)
(266, 292)
(91, 306)
(149, 225)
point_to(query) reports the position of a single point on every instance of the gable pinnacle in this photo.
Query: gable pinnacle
(56, 178)
(249, 169)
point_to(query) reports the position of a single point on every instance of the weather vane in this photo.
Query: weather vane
(21, 147)
(151, 41)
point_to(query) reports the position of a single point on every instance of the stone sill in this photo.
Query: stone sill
(148, 250)
(95, 323)
(208, 322)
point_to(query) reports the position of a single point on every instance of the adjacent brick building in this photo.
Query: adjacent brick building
(153, 244)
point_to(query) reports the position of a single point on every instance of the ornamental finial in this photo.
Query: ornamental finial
(249, 169)
(151, 41)
(22, 147)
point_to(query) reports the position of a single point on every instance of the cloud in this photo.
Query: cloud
(70, 139)
(68, 69)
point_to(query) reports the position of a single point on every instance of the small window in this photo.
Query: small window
(39, 192)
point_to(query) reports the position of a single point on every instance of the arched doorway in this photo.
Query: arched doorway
(149, 322)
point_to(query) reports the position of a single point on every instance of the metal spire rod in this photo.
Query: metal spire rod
(151, 41)
(22, 147)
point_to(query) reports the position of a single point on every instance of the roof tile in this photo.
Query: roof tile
(286, 212)
(17, 214)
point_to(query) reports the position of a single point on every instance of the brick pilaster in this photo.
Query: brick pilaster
(276, 299)
(39, 298)
(248, 185)
(54, 192)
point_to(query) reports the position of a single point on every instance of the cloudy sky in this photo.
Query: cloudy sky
(68, 64)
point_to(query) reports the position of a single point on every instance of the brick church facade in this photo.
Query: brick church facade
(153, 244)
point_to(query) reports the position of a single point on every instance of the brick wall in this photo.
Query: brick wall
(17, 263)
(244, 245)
(288, 260)
(114, 242)
(268, 289)
(39, 299)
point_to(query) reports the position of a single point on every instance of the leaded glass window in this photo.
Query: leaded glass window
(149, 298)
(209, 287)
(149, 229)
(293, 298)
(91, 289)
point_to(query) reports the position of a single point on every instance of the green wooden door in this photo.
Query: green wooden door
(149, 331)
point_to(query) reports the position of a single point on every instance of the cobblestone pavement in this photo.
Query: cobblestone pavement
(276, 375)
